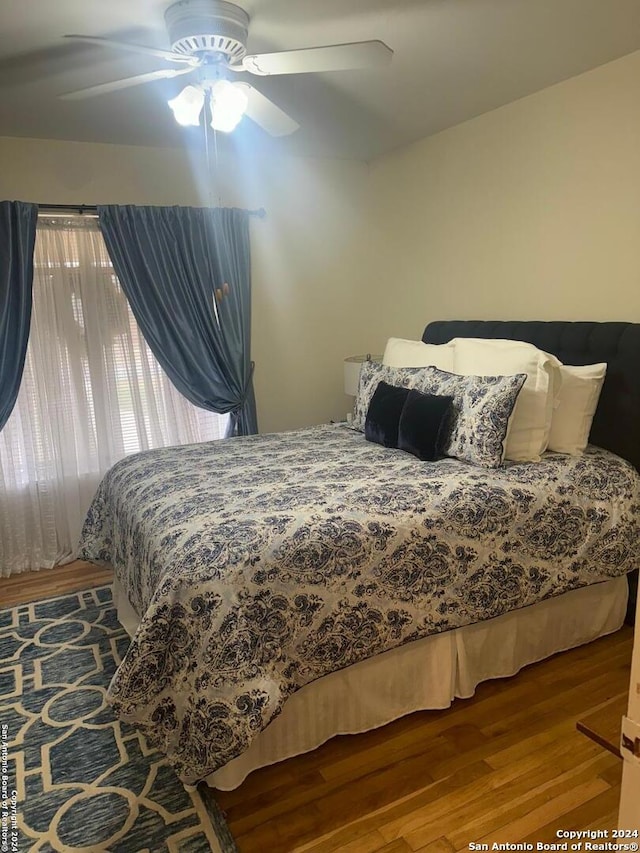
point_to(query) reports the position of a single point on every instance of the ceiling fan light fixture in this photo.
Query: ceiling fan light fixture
(209, 38)
(228, 104)
(188, 105)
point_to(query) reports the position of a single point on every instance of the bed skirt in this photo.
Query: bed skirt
(427, 674)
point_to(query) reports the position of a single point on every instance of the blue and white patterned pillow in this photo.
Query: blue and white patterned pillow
(371, 374)
(480, 411)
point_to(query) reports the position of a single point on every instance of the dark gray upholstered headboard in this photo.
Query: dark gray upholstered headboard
(616, 425)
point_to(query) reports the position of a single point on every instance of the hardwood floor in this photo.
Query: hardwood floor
(29, 586)
(604, 724)
(507, 765)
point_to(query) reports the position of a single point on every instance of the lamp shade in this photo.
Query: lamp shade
(352, 366)
(228, 104)
(188, 105)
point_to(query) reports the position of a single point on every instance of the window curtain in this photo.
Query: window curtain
(17, 238)
(186, 274)
(91, 393)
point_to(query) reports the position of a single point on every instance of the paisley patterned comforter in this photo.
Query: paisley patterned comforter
(260, 564)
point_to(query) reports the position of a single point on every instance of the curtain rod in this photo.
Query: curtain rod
(92, 208)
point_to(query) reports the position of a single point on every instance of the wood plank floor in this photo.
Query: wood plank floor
(604, 725)
(507, 765)
(28, 586)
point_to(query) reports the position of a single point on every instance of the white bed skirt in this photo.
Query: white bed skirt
(427, 674)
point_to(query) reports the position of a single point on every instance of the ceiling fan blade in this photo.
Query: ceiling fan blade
(266, 114)
(125, 83)
(336, 57)
(138, 48)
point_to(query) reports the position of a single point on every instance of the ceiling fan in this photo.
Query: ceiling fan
(208, 39)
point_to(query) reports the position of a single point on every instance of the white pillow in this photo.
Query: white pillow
(402, 353)
(531, 420)
(576, 406)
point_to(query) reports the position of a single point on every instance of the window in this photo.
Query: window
(92, 392)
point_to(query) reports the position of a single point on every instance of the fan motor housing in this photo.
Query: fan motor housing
(205, 26)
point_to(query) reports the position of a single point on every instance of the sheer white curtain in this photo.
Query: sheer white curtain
(91, 393)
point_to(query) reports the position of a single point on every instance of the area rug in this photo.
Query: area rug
(72, 777)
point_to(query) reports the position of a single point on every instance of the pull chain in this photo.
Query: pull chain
(215, 147)
(208, 158)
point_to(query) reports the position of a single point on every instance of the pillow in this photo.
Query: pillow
(383, 416)
(402, 353)
(576, 406)
(480, 414)
(482, 405)
(421, 422)
(371, 373)
(531, 424)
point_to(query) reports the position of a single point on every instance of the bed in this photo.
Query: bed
(268, 616)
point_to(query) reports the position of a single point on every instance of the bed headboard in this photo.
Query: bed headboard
(616, 425)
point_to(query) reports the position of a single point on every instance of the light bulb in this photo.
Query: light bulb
(228, 103)
(187, 106)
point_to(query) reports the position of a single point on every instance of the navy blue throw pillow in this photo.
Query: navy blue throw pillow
(383, 415)
(421, 421)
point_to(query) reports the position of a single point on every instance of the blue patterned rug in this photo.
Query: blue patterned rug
(73, 777)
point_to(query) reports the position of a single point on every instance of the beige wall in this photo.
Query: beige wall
(531, 211)
(306, 253)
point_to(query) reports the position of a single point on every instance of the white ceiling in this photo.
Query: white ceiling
(454, 59)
